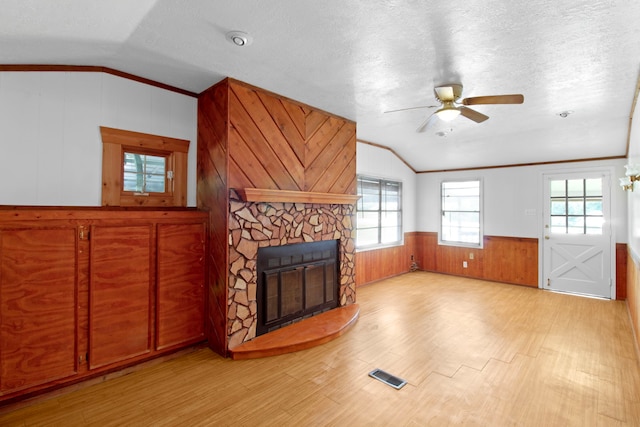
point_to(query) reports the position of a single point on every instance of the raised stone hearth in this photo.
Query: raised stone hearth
(261, 224)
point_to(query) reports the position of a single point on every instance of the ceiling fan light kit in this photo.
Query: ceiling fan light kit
(448, 96)
(448, 112)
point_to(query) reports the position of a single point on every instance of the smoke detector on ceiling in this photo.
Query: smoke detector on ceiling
(239, 38)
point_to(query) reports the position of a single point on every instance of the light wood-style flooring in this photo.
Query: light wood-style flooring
(473, 352)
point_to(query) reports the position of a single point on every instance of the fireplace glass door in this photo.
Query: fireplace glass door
(295, 282)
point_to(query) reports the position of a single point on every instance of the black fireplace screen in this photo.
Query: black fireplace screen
(295, 282)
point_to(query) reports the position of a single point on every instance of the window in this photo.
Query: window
(139, 169)
(145, 173)
(461, 221)
(379, 212)
(576, 206)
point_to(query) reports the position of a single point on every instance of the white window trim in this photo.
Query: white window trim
(481, 219)
(402, 215)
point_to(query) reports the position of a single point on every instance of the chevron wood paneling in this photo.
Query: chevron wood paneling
(331, 158)
(278, 144)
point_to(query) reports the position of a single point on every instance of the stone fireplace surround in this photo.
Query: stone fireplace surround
(261, 224)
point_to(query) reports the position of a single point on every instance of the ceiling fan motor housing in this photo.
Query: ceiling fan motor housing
(449, 92)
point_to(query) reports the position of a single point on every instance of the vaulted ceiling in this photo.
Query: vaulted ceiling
(359, 59)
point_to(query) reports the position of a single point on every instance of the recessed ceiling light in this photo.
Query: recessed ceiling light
(239, 38)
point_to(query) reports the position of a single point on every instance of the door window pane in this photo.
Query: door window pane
(594, 207)
(575, 187)
(558, 224)
(593, 187)
(558, 207)
(575, 225)
(576, 206)
(558, 189)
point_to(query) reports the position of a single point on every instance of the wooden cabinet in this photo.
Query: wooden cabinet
(37, 306)
(180, 290)
(120, 291)
(83, 292)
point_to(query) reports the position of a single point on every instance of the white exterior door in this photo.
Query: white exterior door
(577, 234)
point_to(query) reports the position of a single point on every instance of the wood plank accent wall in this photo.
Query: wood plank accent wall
(279, 144)
(213, 195)
(251, 138)
(503, 259)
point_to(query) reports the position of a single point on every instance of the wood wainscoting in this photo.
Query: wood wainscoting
(621, 271)
(378, 264)
(503, 259)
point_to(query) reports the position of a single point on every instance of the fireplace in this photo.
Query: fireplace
(258, 226)
(295, 282)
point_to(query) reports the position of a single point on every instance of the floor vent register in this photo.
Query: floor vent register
(387, 378)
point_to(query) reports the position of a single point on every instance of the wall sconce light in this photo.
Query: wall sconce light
(631, 175)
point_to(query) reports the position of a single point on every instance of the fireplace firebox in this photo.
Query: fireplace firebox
(295, 282)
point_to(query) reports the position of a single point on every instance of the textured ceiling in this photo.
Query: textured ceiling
(358, 59)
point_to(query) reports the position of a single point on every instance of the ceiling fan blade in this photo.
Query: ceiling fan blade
(445, 93)
(411, 108)
(494, 99)
(426, 124)
(473, 115)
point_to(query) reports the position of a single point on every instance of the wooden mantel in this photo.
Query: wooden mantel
(264, 195)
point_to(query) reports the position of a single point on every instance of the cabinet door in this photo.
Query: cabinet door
(180, 281)
(38, 295)
(119, 293)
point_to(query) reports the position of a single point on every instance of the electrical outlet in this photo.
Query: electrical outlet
(464, 264)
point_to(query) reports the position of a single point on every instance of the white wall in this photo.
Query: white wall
(382, 163)
(513, 197)
(50, 145)
(634, 196)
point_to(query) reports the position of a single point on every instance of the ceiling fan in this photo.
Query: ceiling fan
(448, 96)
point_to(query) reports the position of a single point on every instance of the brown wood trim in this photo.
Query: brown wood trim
(141, 140)
(512, 239)
(553, 162)
(373, 144)
(94, 69)
(14, 214)
(263, 195)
